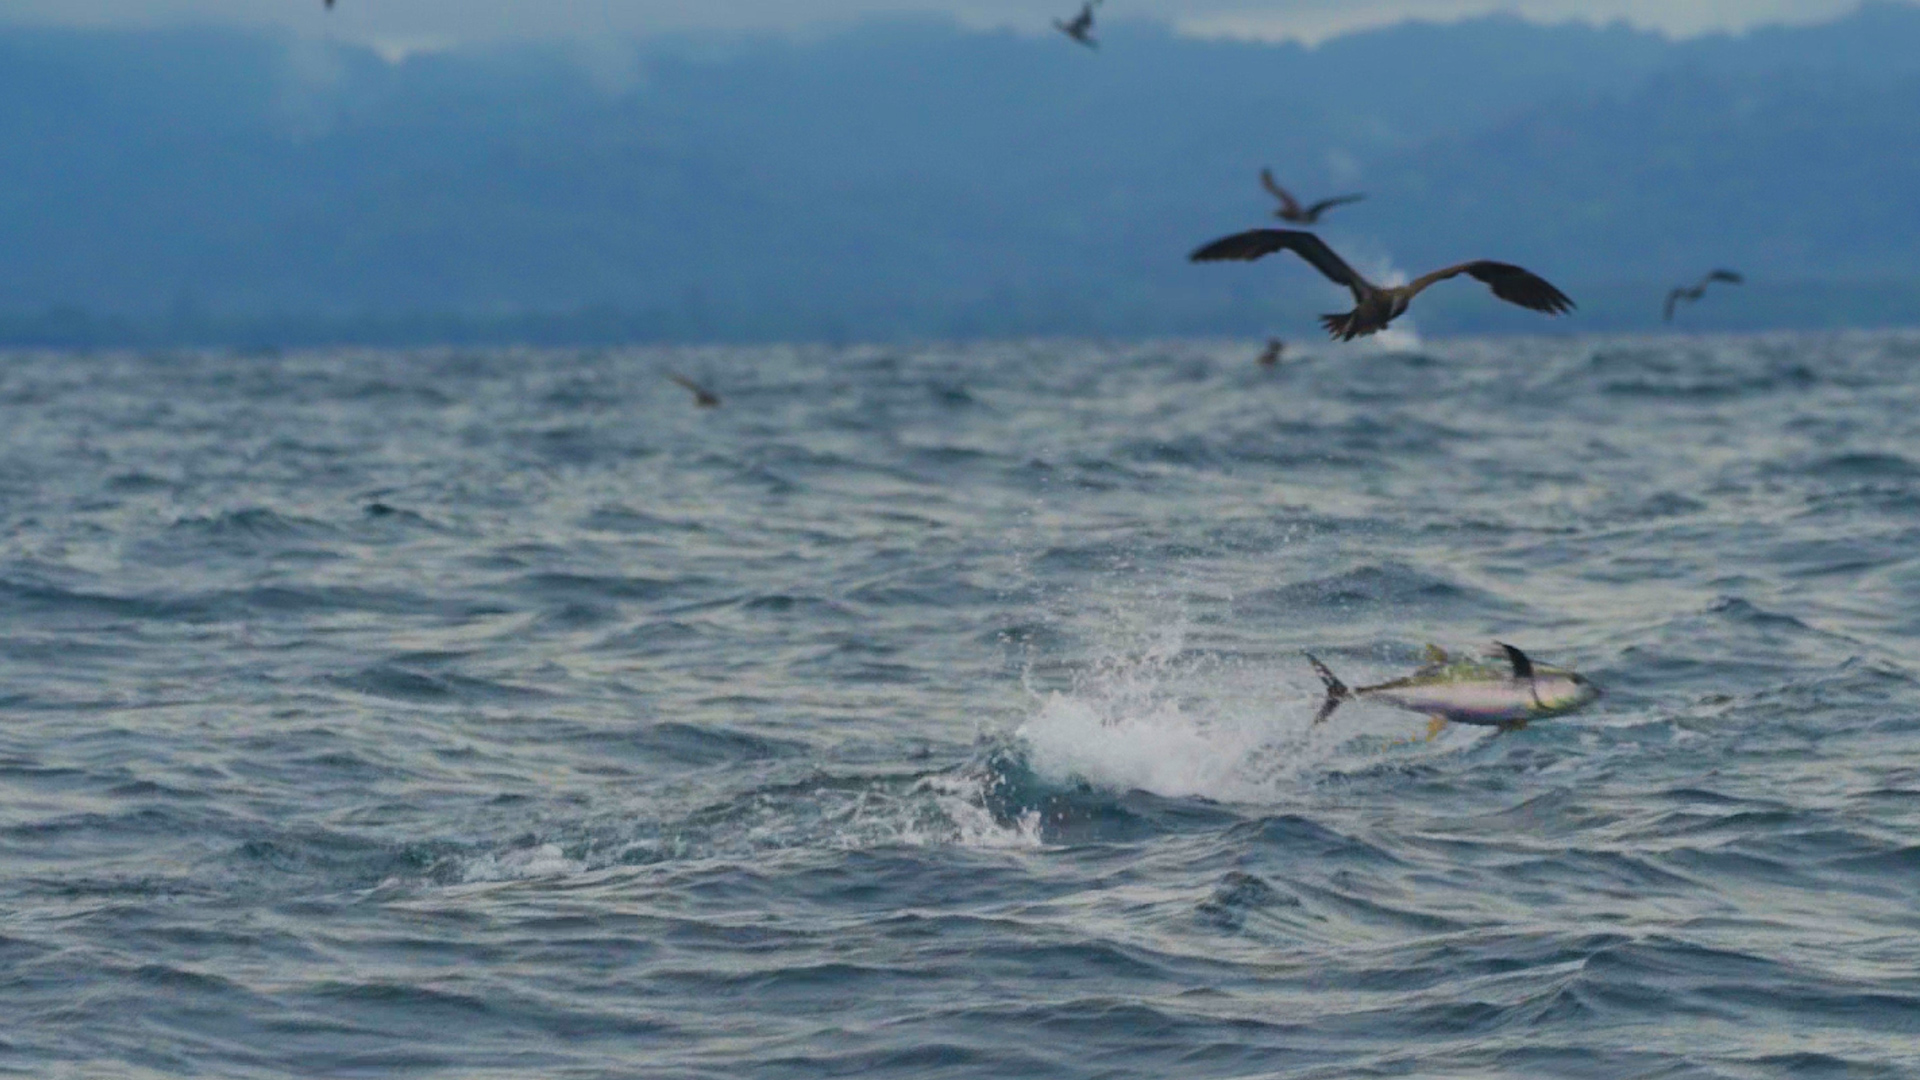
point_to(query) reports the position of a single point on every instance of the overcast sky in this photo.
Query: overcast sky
(457, 20)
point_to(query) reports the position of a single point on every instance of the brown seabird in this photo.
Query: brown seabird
(1291, 210)
(1374, 306)
(702, 396)
(1699, 289)
(1080, 27)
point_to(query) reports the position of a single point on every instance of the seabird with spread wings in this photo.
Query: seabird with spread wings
(702, 396)
(1374, 306)
(1291, 210)
(1080, 27)
(1699, 289)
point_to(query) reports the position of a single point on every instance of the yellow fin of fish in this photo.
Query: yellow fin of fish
(1436, 654)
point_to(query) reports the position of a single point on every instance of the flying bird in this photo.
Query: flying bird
(1080, 27)
(1374, 306)
(329, 4)
(1270, 355)
(1291, 211)
(702, 396)
(1699, 289)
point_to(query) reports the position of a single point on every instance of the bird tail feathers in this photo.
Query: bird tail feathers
(1342, 327)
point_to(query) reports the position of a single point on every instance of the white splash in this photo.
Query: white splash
(1173, 722)
(1159, 748)
(1402, 336)
(962, 799)
(520, 864)
(398, 50)
(1167, 722)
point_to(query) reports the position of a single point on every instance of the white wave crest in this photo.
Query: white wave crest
(521, 864)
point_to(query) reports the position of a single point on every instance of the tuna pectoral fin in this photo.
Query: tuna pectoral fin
(1337, 691)
(1435, 725)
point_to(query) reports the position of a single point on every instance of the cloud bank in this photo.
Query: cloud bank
(475, 20)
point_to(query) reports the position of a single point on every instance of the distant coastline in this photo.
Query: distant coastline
(917, 180)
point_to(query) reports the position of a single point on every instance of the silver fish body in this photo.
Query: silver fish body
(1508, 693)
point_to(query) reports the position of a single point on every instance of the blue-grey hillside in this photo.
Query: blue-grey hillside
(917, 179)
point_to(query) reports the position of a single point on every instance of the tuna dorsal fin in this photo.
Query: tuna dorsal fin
(1436, 655)
(1522, 667)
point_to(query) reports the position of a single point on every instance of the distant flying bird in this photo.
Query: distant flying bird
(1699, 289)
(329, 5)
(1374, 306)
(1080, 27)
(1270, 355)
(702, 396)
(1291, 211)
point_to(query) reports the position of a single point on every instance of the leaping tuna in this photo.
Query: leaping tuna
(1506, 693)
(1374, 306)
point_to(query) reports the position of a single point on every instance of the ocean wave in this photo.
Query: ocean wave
(941, 708)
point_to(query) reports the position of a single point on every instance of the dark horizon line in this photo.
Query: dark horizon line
(67, 328)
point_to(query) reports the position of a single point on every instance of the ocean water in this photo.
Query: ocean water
(939, 711)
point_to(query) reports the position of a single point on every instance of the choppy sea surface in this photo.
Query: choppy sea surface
(939, 712)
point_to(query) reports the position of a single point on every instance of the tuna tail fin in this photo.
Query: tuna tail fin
(1337, 691)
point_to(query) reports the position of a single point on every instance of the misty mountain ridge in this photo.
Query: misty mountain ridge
(908, 178)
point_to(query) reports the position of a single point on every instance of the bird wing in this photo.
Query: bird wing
(1673, 297)
(1730, 276)
(1328, 204)
(1511, 283)
(1273, 188)
(700, 393)
(1255, 243)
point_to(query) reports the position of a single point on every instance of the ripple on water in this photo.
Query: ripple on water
(939, 710)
